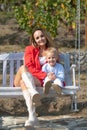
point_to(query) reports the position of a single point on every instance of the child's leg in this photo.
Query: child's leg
(58, 82)
(47, 85)
(57, 85)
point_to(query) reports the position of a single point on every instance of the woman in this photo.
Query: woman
(30, 74)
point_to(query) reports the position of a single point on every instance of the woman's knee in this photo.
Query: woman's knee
(18, 76)
(23, 68)
(22, 85)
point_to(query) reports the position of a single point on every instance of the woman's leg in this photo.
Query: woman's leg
(30, 84)
(32, 119)
(18, 77)
(23, 74)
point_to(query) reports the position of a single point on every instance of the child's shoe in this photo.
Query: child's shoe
(47, 86)
(57, 88)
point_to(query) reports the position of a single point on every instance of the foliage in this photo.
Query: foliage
(46, 13)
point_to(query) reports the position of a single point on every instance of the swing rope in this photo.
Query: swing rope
(77, 40)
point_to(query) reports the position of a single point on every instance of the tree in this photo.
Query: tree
(46, 14)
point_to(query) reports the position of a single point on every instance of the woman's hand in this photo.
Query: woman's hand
(51, 76)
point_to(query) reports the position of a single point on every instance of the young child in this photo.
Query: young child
(54, 70)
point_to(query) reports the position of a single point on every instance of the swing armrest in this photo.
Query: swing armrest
(73, 66)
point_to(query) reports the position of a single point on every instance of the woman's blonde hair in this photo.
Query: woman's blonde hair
(49, 43)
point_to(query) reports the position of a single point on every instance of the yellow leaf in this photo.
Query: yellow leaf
(55, 4)
(73, 25)
(62, 5)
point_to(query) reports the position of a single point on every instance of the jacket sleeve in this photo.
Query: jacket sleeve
(29, 61)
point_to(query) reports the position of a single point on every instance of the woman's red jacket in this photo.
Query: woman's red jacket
(31, 60)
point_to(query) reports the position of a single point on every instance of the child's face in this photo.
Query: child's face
(51, 58)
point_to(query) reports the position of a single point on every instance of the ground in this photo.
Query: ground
(12, 38)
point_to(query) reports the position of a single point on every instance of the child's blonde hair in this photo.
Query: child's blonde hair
(52, 50)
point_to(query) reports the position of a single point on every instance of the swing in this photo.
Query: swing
(74, 88)
(14, 60)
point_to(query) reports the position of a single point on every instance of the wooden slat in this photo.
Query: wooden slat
(11, 73)
(18, 64)
(16, 91)
(10, 92)
(67, 69)
(4, 72)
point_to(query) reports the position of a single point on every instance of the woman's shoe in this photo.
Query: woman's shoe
(32, 123)
(37, 99)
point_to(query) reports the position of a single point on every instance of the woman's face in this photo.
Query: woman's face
(39, 37)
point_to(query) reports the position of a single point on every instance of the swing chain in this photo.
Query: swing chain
(77, 40)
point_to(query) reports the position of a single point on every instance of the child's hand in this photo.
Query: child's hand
(51, 76)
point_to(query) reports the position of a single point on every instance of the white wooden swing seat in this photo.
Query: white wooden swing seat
(9, 64)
